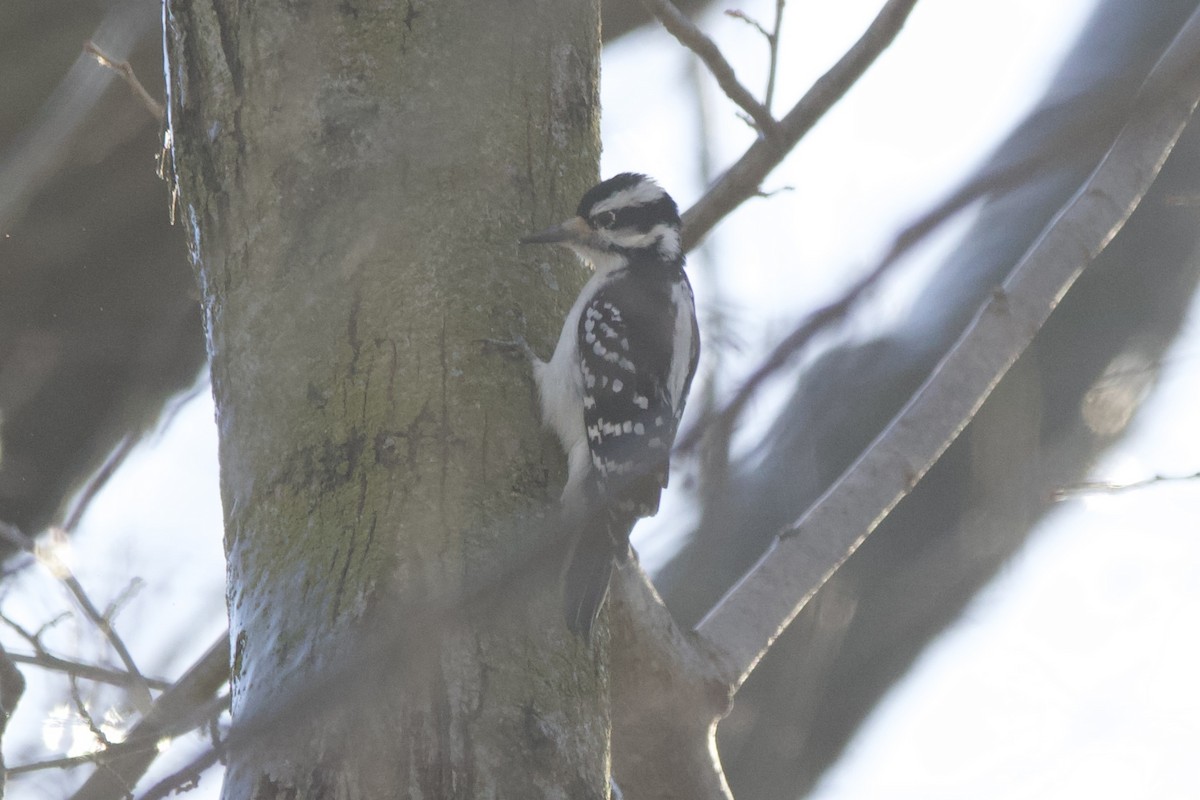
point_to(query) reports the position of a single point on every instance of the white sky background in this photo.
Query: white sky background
(1071, 675)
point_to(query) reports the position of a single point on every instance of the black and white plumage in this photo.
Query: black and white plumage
(615, 388)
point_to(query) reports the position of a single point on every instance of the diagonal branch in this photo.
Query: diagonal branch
(127, 74)
(186, 705)
(694, 39)
(743, 625)
(139, 687)
(1092, 132)
(1114, 487)
(78, 669)
(742, 180)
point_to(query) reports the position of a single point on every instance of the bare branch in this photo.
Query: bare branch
(66, 762)
(185, 778)
(668, 695)
(103, 622)
(693, 39)
(772, 38)
(98, 480)
(749, 20)
(86, 715)
(141, 690)
(742, 180)
(773, 67)
(123, 69)
(762, 604)
(1112, 487)
(187, 705)
(78, 669)
(16, 537)
(1086, 133)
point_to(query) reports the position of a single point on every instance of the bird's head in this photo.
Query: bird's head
(626, 218)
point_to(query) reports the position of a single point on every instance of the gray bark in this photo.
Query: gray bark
(354, 178)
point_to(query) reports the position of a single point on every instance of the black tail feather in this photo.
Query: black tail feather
(588, 575)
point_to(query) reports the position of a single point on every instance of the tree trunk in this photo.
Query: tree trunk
(353, 178)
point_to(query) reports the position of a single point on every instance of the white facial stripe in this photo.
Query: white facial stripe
(662, 235)
(639, 194)
(669, 246)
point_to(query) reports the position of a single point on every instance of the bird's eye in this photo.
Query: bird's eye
(605, 219)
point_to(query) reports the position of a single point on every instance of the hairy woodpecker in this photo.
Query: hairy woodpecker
(615, 388)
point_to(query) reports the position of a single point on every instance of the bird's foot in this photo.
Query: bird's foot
(514, 348)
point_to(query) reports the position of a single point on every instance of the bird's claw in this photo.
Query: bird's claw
(515, 347)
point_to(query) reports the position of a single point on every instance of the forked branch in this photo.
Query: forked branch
(729, 642)
(746, 621)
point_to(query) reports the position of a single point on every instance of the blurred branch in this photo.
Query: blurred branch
(81, 708)
(98, 480)
(78, 669)
(12, 686)
(139, 687)
(123, 69)
(67, 762)
(187, 705)
(1111, 487)
(104, 622)
(183, 779)
(772, 37)
(619, 17)
(760, 606)
(742, 180)
(42, 658)
(694, 39)
(1086, 133)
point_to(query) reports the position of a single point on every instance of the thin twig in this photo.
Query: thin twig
(774, 67)
(130, 591)
(1111, 487)
(98, 480)
(189, 775)
(16, 537)
(82, 709)
(141, 690)
(34, 639)
(741, 181)
(772, 39)
(749, 20)
(91, 672)
(188, 704)
(70, 762)
(123, 69)
(694, 39)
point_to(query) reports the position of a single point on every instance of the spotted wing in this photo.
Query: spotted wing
(626, 352)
